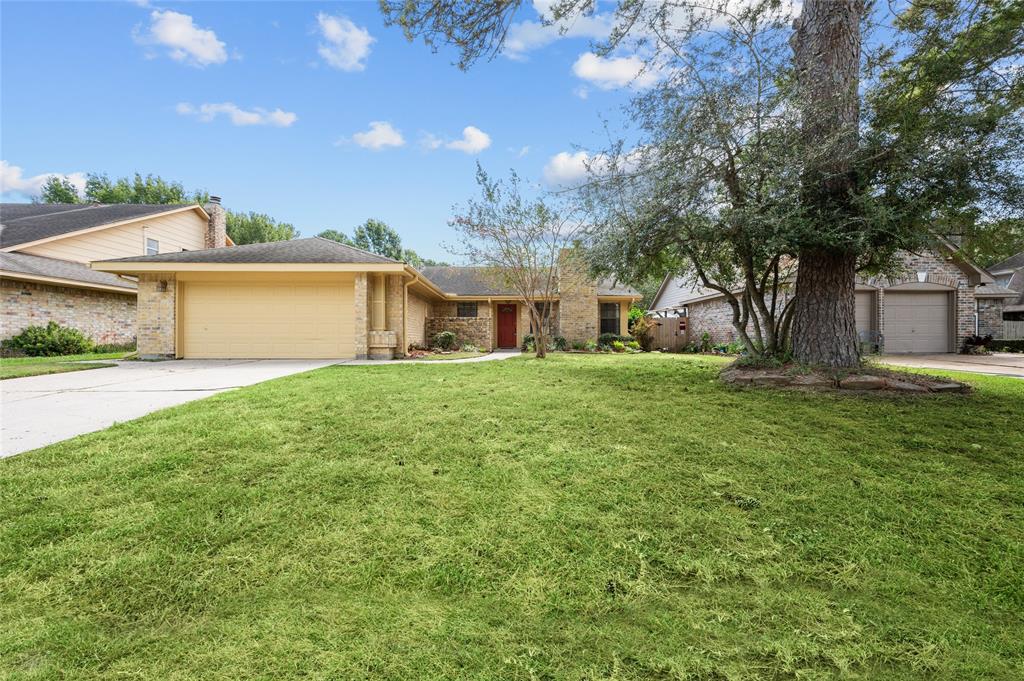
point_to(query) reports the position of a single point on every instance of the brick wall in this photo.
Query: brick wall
(990, 317)
(362, 315)
(105, 317)
(157, 309)
(396, 311)
(473, 330)
(713, 317)
(577, 292)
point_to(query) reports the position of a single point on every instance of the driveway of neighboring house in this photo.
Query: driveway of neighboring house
(41, 410)
(1001, 363)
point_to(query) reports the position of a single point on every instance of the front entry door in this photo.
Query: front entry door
(507, 326)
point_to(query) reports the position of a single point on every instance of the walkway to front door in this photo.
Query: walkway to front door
(507, 325)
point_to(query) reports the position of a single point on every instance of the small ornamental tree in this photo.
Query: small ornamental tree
(518, 241)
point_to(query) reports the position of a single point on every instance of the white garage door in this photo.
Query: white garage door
(268, 320)
(917, 321)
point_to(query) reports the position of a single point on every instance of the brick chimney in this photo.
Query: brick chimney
(216, 229)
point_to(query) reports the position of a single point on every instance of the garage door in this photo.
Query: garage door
(917, 321)
(268, 320)
(865, 310)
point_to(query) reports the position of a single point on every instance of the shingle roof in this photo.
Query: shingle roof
(1011, 263)
(22, 223)
(994, 291)
(310, 250)
(60, 269)
(479, 281)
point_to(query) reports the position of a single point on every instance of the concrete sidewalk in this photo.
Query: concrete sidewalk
(997, 363)
(40, 410)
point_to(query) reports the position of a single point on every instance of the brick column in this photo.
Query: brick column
(362, 321)
(395, 307)
(157, 312)
(578, 309)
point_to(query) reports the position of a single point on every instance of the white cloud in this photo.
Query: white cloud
(520, 152)
(566, 169)
(430, 141)
(186, 42)
(13, 181)
(582, 92)
(609, 73)
(346, 45)
(474, 140)
(381, 134)
(238, 116)
(525, 36)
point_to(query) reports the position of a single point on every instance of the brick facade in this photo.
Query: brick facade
(990, 317)
(468, 330)
(713, 317)
(156, 315)
(578, 308)
(361, 316)
(103, 316)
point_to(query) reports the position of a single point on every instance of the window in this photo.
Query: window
(610, 318)
(152, 246)
(467, 310)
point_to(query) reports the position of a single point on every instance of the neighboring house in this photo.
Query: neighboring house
(45, 251)
(1009, 274)
(938, 300)
(319, 298)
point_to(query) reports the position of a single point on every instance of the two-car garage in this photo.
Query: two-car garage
(267, 319)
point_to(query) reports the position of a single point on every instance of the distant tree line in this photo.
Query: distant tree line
(243, 227)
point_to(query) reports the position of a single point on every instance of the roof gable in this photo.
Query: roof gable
(1012, 263)
(25, 223)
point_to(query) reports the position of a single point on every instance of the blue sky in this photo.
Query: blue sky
(271, 106)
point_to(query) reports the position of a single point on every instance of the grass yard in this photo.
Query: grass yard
(19, 367)
(597, 517)
(460, 354)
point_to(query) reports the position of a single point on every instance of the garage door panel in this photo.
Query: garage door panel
(917, 321)
(268, 320)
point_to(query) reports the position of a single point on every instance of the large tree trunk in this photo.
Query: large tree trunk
(824, 310)
(826, 44)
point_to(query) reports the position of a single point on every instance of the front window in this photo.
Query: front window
(467, 309)
(152, 246)
(610, 318)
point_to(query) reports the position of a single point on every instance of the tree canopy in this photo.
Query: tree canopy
(99, 188)
(59, 190)
(254, 228)
(378, 237)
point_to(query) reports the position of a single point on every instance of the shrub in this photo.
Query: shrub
(705, 342)
(976, 345)
(643, 332)
(469, 347)
(579, 345)
(444, 340)
(1008, 345)
(527, 343)
(609, 338)
(559, 343)
(634, 345)
(590, 346)
(114, 347)
(618, 346)
(49, 341)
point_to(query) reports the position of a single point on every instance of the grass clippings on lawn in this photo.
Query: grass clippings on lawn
(622, 517)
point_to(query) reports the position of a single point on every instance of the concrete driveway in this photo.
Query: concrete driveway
(1001, 363)
(40, 410)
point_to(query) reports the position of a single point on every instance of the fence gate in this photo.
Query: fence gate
(671, 333)
(1013, 329)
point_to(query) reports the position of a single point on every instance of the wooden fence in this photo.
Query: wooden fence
(667, 334)
(1013, 330)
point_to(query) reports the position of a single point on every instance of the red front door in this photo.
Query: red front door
(507, 326)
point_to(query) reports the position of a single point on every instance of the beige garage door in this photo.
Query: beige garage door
(268, 320)
(917, 321)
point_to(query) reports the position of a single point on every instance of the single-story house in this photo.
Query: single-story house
(938, 300)
(45, 251)
(319, 298)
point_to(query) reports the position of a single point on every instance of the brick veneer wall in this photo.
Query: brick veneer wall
(105, 317)
(395, 303)
(577, 292)
(156, 315)
(990, 317)
(713, 317)
(472, 330)
(361, 315)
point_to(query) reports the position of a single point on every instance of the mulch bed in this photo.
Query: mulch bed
(867, 379)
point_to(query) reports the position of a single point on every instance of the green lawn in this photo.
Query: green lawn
(18, 367)
(582, 517)
(451, 355)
